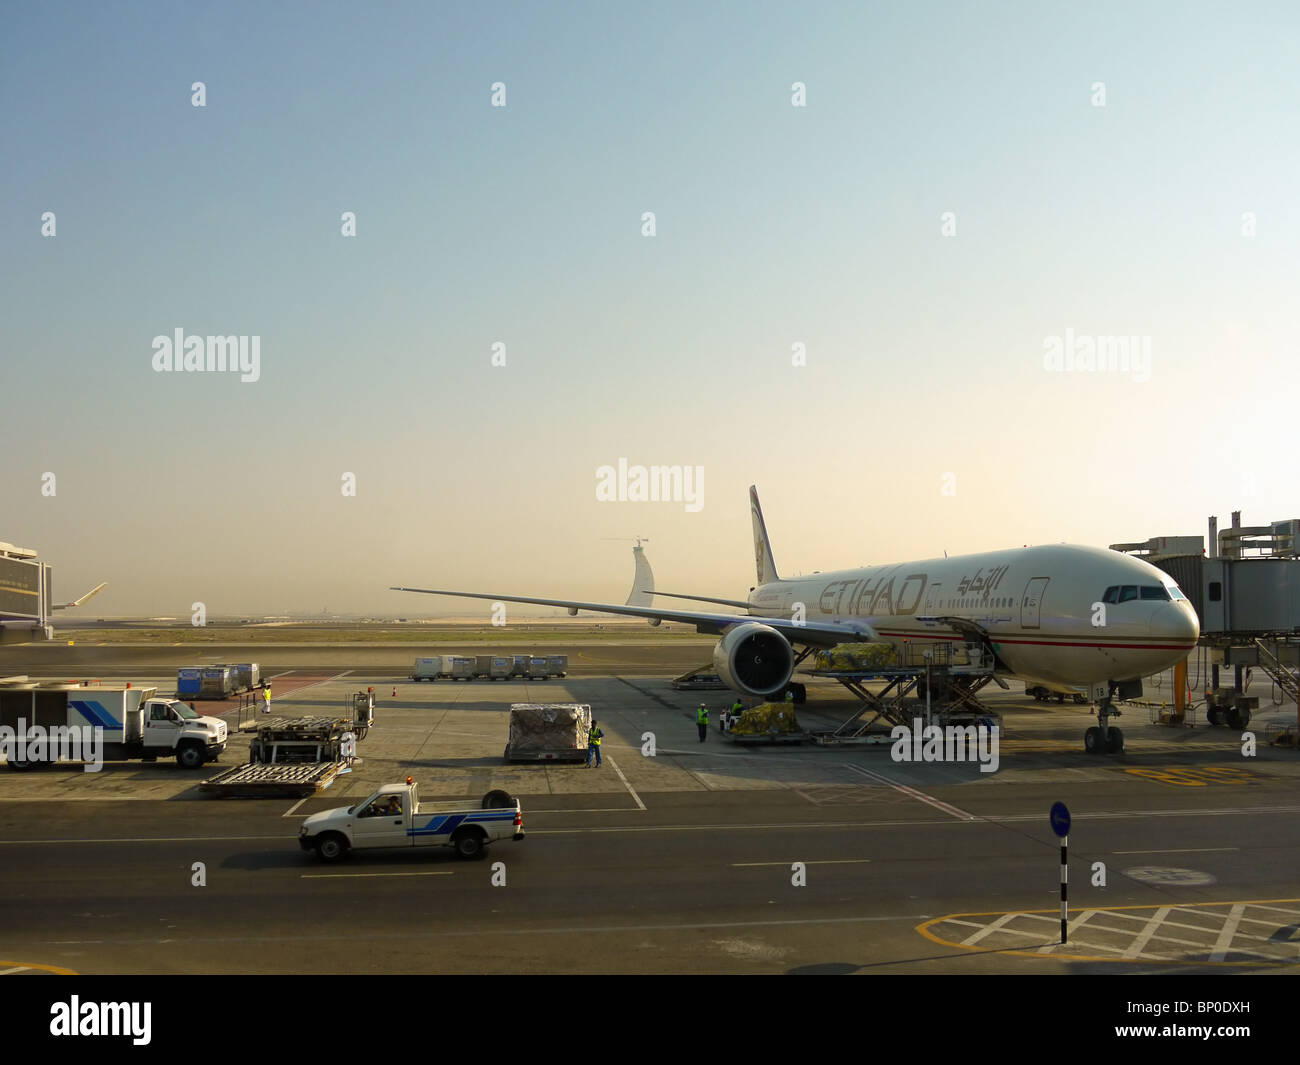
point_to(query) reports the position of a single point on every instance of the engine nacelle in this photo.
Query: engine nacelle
(754, 659)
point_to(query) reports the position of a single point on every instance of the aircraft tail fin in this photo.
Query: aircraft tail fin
(764, 564)
(643, 583)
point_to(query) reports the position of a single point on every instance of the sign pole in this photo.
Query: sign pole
(1065, 884)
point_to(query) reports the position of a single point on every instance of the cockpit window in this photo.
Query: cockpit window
(1128, 592)
(1175, 592)
(1112, 594)
(1154, 591)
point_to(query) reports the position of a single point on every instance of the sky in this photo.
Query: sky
(874, 228)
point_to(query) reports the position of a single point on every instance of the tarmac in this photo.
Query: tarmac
(675, 856)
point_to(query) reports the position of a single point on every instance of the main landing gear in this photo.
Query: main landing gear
(1103, 739)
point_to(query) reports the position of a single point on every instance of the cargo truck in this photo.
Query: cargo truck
(135, 722)
(393, 816)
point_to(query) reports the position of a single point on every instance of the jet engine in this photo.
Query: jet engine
(754, 659)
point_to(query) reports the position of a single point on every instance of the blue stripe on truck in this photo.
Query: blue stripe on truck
(95, 713)
(445, 824)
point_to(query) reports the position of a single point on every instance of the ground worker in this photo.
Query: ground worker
(789, 696)
(266, 697)
(702, 720)
(594, 735)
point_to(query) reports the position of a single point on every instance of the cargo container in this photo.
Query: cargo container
(247, 676)
(557, 665)
(429, 669)
(218, 682)
(458, 667)
(493, 667)
(537, 669)
(188, 683)
(519, 665)
(132, 723)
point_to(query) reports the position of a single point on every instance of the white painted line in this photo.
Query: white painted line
(145, 839)
(921, 796)
(827, 861)
(630, 790)
(1229, 930)
(365, 876)
(15, 969)
(1075, 923)
(1184, 850)
(988, 929)
(1144, 937)
(290, 812)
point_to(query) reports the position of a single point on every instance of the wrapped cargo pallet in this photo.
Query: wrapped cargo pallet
(765, 719)
(548, 732)
(851, 657)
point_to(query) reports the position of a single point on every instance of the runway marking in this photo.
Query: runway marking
(27, 966)
(1144, 937)
(975, 937)
(571, 930)
(630, 789)
(1198, 776)
(824, 861)
(930, 800)
(1229, 930)
(290, 812)
(364, 876)
(1181, 850)
(1133, 934)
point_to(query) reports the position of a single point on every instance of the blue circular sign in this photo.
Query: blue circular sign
(1060, 818)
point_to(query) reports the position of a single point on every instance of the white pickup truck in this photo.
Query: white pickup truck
(394, 817)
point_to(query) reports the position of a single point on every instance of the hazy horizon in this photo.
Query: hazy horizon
(874, 296)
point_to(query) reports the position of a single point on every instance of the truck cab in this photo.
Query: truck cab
(169, 726)
(394, 817)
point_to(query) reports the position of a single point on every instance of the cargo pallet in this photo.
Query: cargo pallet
(256, 781)
(547, 754)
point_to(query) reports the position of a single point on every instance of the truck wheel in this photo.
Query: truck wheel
(469, 843)
(331, 847)
(190, 756)
(497, 799)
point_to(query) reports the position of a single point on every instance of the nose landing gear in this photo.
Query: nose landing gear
(1103, 739)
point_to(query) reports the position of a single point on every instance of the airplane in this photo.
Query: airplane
(1063, 616)
(79, 602)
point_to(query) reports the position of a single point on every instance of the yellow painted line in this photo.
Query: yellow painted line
(827, 861)
(1197, 776)
(19, 966)
(356, 876)
(924, 930)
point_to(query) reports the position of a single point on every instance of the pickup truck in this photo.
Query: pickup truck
(394, 817)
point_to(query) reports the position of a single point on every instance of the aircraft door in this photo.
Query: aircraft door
(932, 599)
(1032, 601)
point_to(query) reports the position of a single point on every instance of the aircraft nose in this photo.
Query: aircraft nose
(1176, 621)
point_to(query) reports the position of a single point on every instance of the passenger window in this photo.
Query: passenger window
(1112, 594)
(157, 713)
(1128, 592)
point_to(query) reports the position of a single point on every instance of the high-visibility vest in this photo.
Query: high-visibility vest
(593, 737)
(737, 707)
(702, 716)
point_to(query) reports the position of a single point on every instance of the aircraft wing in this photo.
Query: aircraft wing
(816, 633)
(77, 602)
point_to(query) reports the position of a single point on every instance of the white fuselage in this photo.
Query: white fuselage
(1043, 608)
